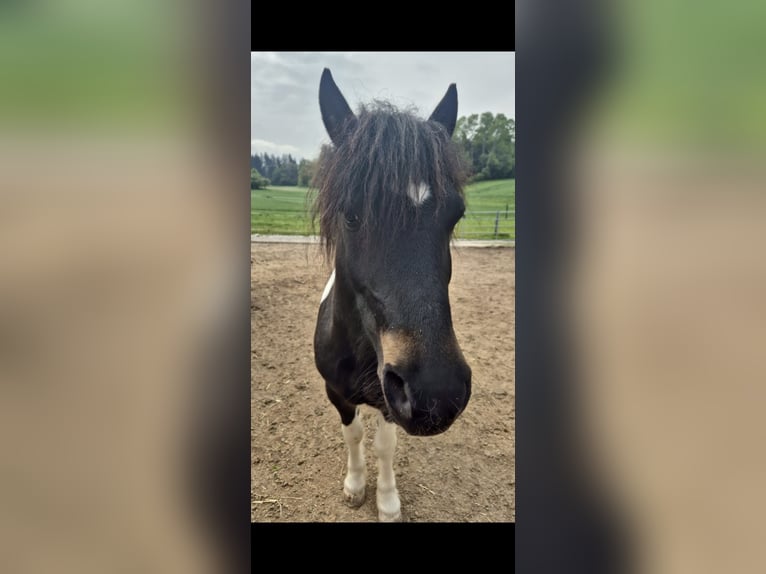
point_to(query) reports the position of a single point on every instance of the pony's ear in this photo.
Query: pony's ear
(446, 111)
(336, 114)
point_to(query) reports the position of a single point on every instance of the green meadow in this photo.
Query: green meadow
(285, 211)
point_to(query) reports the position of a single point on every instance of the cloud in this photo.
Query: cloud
(263, 146)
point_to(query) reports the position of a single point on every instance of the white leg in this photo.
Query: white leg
(354, 483)
(387, 495)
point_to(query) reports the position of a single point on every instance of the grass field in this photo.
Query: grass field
(284, 211)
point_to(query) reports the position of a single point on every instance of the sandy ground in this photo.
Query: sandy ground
(298, 454)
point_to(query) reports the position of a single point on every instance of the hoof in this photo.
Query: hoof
(386, 517)
(354, 499)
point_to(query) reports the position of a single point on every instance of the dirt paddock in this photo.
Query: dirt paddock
(298, 454)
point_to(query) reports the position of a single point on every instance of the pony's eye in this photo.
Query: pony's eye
(351, 222)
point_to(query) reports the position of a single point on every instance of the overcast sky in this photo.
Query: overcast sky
(284, 88)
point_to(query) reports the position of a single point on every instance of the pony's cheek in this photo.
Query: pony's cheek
(367, 317)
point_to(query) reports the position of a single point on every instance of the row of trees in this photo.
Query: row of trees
(487, 141)
(268, 170)
(489, 145)
(278, 170)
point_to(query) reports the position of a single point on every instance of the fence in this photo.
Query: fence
(497, 224)
(491, 212)
(474, 224)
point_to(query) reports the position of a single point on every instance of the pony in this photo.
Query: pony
(389, 192)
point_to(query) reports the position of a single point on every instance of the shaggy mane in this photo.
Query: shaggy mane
(365, 179)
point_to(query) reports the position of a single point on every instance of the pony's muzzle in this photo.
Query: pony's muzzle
(423, 409)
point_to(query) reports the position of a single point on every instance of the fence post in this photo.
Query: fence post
(497, 220)
(506, 211)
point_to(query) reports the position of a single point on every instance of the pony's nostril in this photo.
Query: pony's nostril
(397, 394)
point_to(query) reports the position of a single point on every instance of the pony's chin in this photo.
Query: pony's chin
(421, 431)
(416, 429)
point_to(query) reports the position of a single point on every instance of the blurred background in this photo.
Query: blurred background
(124, 286)
(641, 278)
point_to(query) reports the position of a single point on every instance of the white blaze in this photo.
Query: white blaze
(328, 287)
(419, 193)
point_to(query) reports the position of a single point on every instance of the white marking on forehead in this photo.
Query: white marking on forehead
(328, 287)
(419, 193)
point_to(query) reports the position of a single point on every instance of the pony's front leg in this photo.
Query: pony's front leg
(355, 481)
(389, 507)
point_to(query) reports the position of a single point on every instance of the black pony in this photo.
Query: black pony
(389, 196)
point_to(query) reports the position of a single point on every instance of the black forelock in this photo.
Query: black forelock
(368, 175)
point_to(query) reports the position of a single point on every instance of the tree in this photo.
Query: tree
(257, 181)
(268, 166)
(286, 174)
(276, 176)
(488, 145)
(256, 163)
(306, 171)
